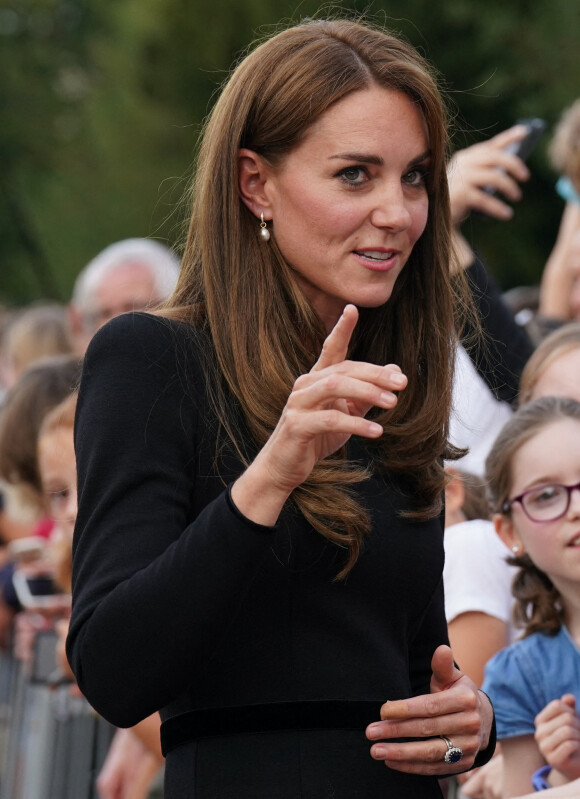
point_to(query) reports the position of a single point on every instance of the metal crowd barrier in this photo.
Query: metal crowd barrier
(52, 744)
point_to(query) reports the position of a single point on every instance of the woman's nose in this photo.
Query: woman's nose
(392, 209)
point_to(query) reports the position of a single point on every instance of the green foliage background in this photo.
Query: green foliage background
(101, 103)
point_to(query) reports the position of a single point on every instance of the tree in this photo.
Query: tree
(102, 103)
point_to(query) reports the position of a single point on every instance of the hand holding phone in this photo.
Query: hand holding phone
(38, 591)
(523, 147)
(485, 177)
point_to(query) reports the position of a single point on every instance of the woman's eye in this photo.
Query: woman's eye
(353, 175)
(416, 177)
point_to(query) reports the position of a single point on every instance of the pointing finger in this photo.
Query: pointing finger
(335, 347)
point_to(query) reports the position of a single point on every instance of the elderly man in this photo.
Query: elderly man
(129, 275)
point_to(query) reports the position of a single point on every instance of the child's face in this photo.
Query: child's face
(57, 465)
(551, 456)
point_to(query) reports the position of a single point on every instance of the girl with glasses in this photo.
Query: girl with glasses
(533, 471)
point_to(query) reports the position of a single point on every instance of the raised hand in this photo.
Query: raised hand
(558, 736)
(486, 164)
(326, 407)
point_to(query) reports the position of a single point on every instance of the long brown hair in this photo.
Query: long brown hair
(264, 330)
(538, 606)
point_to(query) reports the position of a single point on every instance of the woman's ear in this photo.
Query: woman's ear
(504, 527)
(253, 173)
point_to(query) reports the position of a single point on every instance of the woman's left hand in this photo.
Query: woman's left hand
(454, 709)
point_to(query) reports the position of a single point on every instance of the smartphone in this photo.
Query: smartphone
(523, 148)
(36, 591)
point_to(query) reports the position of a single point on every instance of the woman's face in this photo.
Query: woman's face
(551, 456)
(349, 202)
(561, 378)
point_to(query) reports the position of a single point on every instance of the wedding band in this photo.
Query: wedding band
(453, 753)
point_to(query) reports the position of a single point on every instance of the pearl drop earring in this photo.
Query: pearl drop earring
(264, 232)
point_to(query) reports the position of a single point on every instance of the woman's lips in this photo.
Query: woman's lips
(380, 260)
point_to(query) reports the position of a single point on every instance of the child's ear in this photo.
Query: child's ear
(506, 530)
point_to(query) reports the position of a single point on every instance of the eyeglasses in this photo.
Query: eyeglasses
(545, 503)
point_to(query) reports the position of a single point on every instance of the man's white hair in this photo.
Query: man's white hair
(159, 259)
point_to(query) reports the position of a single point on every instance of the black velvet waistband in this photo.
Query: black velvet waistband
(311, 715)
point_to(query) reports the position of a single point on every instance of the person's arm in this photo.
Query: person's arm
(569, 791)
(478, 598)
(501, 354)
(129, 768)
(515, 682)
(484, 782)
(472, 172)
(474, 638)
(558, 276)
(500, 357)
(144, 561)
(521, 757)
(143, 565)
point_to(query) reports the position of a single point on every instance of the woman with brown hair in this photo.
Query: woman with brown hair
(258, 548)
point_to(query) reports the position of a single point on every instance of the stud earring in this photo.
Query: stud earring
(264, 232)
(515, 549)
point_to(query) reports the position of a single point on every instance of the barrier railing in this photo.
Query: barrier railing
(52, 743)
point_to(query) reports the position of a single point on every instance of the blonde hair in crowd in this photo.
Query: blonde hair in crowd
(537, 608)
(264, 331)
(558, 343)
(565, 145)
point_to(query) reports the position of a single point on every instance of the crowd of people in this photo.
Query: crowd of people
(263, 592)
(41, 356)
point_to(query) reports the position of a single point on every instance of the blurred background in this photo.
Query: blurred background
(101, 103)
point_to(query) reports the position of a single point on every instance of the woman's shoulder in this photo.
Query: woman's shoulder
(137, 339)
(137, 326)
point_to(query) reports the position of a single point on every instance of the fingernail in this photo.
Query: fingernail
(380, 752)
(374, 730)
(398, 379)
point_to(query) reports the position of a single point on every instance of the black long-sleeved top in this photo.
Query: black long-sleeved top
(502, 352)
(181, 603)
